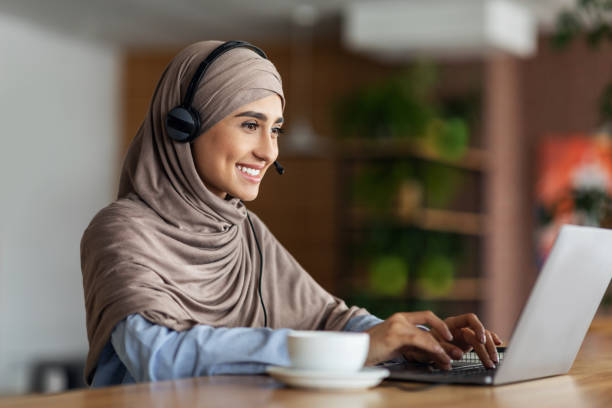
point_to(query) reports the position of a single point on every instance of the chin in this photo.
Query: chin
(247, 196)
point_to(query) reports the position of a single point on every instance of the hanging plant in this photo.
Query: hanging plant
(592, 20)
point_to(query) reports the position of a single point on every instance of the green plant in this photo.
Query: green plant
(440, 182)
(590, 18)
(397, 106)
(436, 274)
(374, 187)
(404, 106)
(388, 275)
(383, 238)
(448, 137)
(438, 262)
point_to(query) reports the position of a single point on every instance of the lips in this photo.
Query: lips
(252, 174)
(251, 171)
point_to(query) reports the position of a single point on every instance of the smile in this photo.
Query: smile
(248, 170)
(250, 174)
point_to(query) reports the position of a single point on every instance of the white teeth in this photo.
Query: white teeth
(248, 170)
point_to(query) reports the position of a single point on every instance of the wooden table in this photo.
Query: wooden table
(589, 384)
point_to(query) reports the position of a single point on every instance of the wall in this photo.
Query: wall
(562, 88)
(58, 166)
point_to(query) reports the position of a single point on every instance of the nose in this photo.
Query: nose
(267, 148)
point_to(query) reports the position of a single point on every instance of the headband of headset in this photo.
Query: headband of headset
(183, 122)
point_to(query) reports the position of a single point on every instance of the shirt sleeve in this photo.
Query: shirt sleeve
(152, 352)
(361, 323)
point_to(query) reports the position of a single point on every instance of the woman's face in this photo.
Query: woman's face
(233, 155)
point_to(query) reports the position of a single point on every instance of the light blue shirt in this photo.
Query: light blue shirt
(140, 351)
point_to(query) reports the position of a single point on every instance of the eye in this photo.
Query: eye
(277, 131)
(250, 125)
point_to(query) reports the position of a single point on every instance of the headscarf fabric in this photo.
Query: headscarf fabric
(174, 252)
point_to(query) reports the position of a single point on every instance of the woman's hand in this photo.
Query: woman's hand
(469, 333)
(399, 335)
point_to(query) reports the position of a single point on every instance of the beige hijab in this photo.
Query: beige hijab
(174, 252)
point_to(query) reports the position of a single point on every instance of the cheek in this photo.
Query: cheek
(206, 159)
(235, 149)
(213, 152)
(221, 150)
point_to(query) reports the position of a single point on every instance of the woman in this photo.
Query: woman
(181, 280)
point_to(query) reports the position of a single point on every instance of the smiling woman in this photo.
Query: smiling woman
(181, 280)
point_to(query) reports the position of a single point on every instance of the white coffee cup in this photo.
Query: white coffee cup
(330, 351)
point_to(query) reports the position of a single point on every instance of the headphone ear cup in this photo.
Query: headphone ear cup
(182, 124)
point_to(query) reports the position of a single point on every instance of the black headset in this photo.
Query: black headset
(183, 121)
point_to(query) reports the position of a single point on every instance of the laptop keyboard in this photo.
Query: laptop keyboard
(468, 366)
(466, 371)
(472, 357)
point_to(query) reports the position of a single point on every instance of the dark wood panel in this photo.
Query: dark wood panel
(298, 207)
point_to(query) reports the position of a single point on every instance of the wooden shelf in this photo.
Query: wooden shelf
(474, 159)
(464, 289)
(428, 219)
(451, 221)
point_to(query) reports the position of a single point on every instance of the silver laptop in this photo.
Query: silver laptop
(554, 321)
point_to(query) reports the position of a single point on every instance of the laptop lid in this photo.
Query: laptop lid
(561, 306)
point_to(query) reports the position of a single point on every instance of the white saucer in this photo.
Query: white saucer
(325, 380)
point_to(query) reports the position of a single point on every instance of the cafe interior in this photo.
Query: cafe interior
(433, 150)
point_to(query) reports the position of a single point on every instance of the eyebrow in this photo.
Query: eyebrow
(257, 115)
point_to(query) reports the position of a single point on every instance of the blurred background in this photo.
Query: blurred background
(433, 148)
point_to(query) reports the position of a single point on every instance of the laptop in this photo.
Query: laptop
(553, 322)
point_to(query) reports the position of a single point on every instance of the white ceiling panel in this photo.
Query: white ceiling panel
(175, 22)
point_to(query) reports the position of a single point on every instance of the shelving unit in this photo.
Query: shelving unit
(466, 291)
(355, 149)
